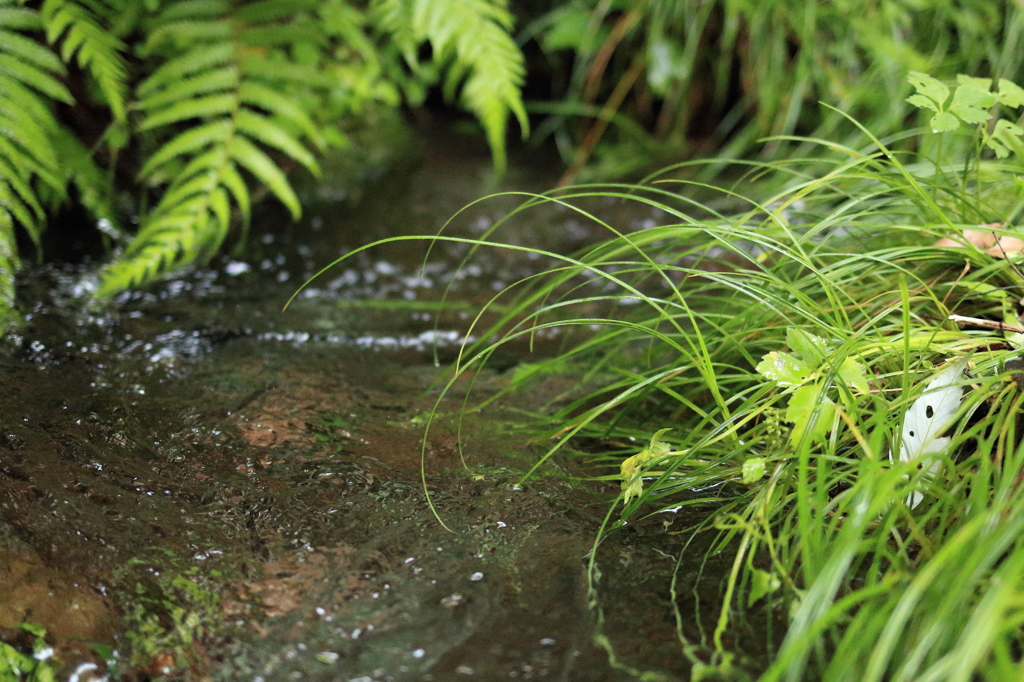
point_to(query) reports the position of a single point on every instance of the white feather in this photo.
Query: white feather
(929, 416)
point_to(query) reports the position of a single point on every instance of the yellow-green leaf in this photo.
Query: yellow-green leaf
(753, 470)
(784, 368)
(259, 164)
(929, 87)
(269, 133)
(762, 583)
(852, 374)
(810, 412)
(1010, 94)
(944, 122)
(809, 347)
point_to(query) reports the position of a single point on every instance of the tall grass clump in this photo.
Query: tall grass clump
(823, 392)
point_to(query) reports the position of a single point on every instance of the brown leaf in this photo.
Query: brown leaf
(987, 239)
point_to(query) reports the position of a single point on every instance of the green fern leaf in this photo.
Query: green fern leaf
(233, 180)
(274, 102)
(272, 10)
(8, 266)
(194, 61)
(30, 51)
(97, 49)
(187, 10)
(472, 38)
(216, 105)
(35, 78)
(298, 31)
(21, 100)
(183, 33)
(28, 159)
(20, 19)
(201, 107)
(261, 67)
(190, 141)
(94, 188)
(221, 208)
(261, 165)
(13, 204)
(203, 183)
(22, 198)
(265, 130)
(225, 78)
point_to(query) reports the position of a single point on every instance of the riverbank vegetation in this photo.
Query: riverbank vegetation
(824, 386)
(164, 120)
(174, 117)
(814, 365)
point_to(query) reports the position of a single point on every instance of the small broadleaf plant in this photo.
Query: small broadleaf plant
(802, 373)
(972, 102)
(633, 469)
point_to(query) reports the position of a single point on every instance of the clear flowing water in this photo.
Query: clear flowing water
(197, 485)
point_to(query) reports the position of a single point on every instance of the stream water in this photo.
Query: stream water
(197, 485)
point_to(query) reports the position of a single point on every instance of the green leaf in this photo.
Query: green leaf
(762, 583)
(261, 67)
(189, 141)
(224, 78)
(211, 105)
(20, 19)
(999, 149)
(30, 51)
(179, 34)
(784, 368)
(983, 84)
(184, 10)
(221, 208)
(271, 10)
(568, 30)
(753, 470)
(1009, 135)
(193, 61)
(929, 87)
(853, 375)
(261, 165)
(233, 180)
(922, 102)
(471, 37)
(35, 78)
(972, 104)
(274, 102)
(202, 183)
(944, 122)
(96, 48)
(1010, 94)
(810, 348)
(809, 409)
(272, 135)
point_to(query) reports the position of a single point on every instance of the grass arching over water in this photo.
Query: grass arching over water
(856, 581)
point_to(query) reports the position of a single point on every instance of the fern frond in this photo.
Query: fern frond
(217, 108)
(81, 35)
(34, 77)
(471, 39)
(27, 127)
(29, 80)
(93, 185)
(8, 266)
